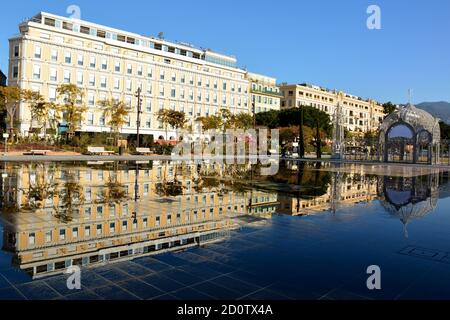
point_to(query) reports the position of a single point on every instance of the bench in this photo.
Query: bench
(36, 152)
(143, 151)
(98, 151)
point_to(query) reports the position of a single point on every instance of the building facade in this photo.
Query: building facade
(264, 92)
(359, 115)
(110, 63)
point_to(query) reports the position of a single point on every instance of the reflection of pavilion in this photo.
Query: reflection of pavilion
(409, 198)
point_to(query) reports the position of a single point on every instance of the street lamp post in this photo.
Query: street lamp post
(138, 115)
(6, 136)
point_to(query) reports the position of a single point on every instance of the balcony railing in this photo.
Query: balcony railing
(266, 92)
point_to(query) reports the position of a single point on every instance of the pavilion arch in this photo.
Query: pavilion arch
(410, 135)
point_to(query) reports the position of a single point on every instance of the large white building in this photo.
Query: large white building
(110, 63)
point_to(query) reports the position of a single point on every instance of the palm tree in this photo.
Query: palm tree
(117, 111)
(164, 117)
(175, 119)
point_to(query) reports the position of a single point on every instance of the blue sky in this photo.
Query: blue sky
(324, 42)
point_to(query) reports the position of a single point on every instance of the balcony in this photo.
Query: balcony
(266, 92)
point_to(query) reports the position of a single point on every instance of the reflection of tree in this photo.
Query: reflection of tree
(71, 197)
(41, 188)
(312, 183)
(115, 191)
(167, 188)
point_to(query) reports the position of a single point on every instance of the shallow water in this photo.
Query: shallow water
(166, 230)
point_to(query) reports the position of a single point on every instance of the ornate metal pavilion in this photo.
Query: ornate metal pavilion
(410, 135)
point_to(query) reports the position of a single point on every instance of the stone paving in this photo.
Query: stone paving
(315, 257)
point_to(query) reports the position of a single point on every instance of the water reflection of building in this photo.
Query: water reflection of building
(409, 198)
(342, 190)
(66, 215)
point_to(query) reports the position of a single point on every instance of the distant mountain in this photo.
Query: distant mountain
(439, 109)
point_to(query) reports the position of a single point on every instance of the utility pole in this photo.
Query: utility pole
(138, 115)
(301, 142)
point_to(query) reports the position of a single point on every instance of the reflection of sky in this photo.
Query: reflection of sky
(400, 131)
(399, 197)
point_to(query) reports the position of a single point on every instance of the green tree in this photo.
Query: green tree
(116, 111)
(213, 122)
(241, 120)
(388, 108)
(445, 130)
(269, 119)
(43, 112)
(71, 106)
(10, 99)
(177, 119)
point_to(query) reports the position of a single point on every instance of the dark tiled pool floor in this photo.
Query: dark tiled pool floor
(316, 257)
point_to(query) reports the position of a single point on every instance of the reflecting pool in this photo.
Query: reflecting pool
(183, 230)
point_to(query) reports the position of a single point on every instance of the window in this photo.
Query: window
(112, 227)
(53, 75)
(92, 62)
(99, 229)
(129, 69)
(52, 94)
(80, 60)
(16, 51)
(36, 72)
(87, 231)
(158, 221)
(66, 76)
(103, 82)
(161, 75)
(91, 99)
(124, 225)
(129, 88)
(144, 223)
(68, 57)
(149, 72)
(104, 64)
(37, 52)
(161, 91)
(139, 71)
(92, 80)
(173, 92)
(62, 234)
(174, 76)
(117, 66)
(116, 83)
(31, 238)
(48, 236)
(75, 232)
(80, 78)
(15, 72)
